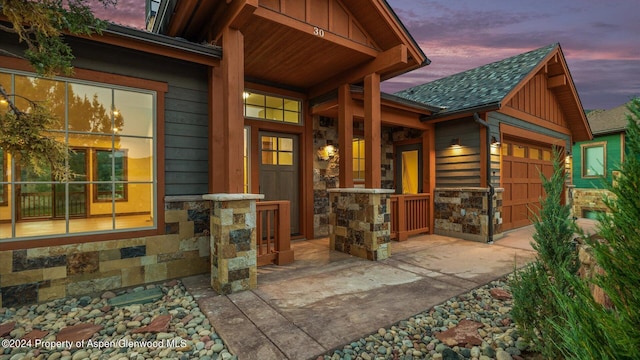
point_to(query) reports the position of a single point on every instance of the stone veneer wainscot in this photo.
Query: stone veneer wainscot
(462, 213)
(47, 273)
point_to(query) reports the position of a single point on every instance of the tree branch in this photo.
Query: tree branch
(13, 107)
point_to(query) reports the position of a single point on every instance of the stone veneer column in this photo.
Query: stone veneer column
(360, 222)
(233, 242)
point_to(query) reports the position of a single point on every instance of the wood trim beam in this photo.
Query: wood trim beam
(510, 130)
(181, 15)
(508, 110)
(227, 118)
(556, 81)
(151, 48)
(382, 62)
(236, 15)
(372, 139)
(324, 107)
(345, 136)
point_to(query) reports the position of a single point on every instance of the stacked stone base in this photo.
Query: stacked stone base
(233, 242)
(584, 200)
(463, 213)
(360, 222)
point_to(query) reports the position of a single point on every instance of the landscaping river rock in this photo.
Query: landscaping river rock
(171, 327)
(476, 325)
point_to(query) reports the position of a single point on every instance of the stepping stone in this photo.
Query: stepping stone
(6, 328)
(466, 332)
(35, 335)
(159, 324)
(138, 297)
(78, 332)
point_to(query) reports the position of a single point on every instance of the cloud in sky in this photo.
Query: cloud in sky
(600, 39)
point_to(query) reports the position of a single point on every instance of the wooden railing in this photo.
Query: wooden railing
(41, 204)
(409, 215)
(273, 229)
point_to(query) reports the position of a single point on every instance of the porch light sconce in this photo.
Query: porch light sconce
(455, 142)
(495, 141)
(327, 151)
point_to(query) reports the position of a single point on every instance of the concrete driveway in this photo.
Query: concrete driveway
(326, 299)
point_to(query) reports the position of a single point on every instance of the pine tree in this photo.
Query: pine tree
(533, 300)
(591, 330)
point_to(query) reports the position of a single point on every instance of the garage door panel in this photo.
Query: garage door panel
(522, 183)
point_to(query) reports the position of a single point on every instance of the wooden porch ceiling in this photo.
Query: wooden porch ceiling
(288, 52)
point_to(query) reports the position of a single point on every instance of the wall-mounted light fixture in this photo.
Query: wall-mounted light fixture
(327, 151)
(495, 141)
(455, 142)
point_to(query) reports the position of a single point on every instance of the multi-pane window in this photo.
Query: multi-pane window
(593, 159)
(272, 107)
(277, 150)
(358, 159)
(110, 131)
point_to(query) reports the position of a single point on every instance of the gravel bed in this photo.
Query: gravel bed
(415, 338)
(188, 336)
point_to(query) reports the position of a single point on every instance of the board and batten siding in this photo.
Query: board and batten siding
(186, 108)
(458, 166)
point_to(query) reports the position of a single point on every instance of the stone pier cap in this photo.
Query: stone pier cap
(232, 197)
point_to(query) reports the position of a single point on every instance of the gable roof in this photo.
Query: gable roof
(484, 86)
(492, 86)
(608, 121)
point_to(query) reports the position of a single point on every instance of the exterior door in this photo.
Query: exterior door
(409, 169)
(522, 164)
(279, 171)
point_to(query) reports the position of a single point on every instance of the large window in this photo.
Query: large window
(111, 133)
(594, 159)
(272, 107)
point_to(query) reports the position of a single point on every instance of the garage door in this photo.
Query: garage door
(522, 163)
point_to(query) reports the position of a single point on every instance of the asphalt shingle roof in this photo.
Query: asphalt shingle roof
(608, 121)
(483, 86)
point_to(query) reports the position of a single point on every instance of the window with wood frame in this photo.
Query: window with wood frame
(111, 132)
(594, 159)
(272, 107)
(358, 159)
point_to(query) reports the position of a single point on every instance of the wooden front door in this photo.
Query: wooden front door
(522, 164)
(279, 171)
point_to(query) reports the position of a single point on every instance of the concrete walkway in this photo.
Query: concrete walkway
(326, 299)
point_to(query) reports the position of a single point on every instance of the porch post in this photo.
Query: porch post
(372, 124)
(345, 136)
(226, 84)
(233, 242)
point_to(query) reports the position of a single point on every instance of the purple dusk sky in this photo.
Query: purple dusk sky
(600, 39)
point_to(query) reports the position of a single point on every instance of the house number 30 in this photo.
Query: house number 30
(318, 32)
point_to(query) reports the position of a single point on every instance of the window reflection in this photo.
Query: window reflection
(110, 132)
